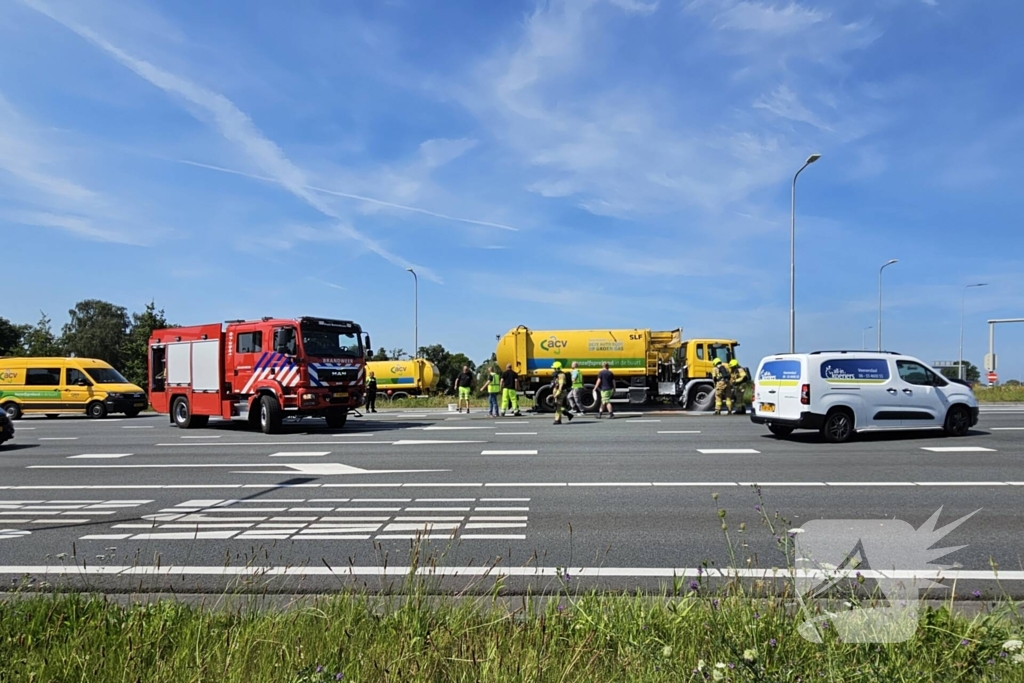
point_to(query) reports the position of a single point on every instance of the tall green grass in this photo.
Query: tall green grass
(1000, 394)
(585, 638)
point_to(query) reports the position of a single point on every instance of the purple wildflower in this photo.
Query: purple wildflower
(965, 642)
(561, 608)
(772, 642)
(319, 668)
(757, 508)
(714, 603)
(756, 615)
(338, 676)
(694, 586)
(1003, 655)
(976, 594)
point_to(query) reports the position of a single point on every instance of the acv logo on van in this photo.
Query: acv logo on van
(8, 376)
(553, 343)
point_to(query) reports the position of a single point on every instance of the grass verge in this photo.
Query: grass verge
(731, 637)
(1000, 394)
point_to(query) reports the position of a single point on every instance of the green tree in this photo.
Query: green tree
(971, 372)
(39, 340)
(97, 329)
(135, 349)
(448, 365)
(10, 337)
(381, 354)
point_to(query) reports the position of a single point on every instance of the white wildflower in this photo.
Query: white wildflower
(750, 654)
(1013, 645)
(1017, 658)
(717, 675)
(701, 664)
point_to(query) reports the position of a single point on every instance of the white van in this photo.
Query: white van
(843, 392)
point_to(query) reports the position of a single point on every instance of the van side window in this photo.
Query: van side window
(43, 377)
(915, 373)
(250, 342)
(75, 376)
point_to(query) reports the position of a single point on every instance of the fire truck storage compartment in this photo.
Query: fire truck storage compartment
(194, 363)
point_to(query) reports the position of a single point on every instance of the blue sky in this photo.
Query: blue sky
(572, 163)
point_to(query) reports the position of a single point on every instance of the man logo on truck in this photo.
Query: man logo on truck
(554, 344)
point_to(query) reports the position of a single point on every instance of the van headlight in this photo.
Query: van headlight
(115, 395)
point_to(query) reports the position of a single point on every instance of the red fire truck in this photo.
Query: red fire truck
(262, 370)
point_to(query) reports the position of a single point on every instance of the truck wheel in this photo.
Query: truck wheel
(253, 418)
(781, 431)
(270, 415)
(337, 417)
(96, 410)
(181, 413)
(13, 410)
(702, 399)
(544, 401)
(589, 403)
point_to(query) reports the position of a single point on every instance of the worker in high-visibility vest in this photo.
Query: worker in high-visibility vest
(493, 391)
(576, 392)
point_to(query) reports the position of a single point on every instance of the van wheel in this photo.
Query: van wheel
(702, 399)
(13, 410)
(781, 431)
(132, 413)
(270, 415)
(337, 417)
(958, 421)
(838, 427)
(96, 410)
(182, 413)
(544, 400)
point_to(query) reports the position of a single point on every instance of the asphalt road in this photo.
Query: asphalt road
(137, 504)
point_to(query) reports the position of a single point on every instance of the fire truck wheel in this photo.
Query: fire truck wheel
(337, 417)
(96, 410)
(182, 413)
(270, 415)
(253, 418)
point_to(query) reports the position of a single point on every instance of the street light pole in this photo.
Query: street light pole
(416, 314)
(884, 266)
(863, 337)
(792, 255)
(960, 357)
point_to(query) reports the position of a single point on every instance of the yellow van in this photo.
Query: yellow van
(52, 386)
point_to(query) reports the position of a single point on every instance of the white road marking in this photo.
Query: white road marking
(724, 451)
(642, 421)
(202, 436)
(508, 452)
(958, 449)
(13, 533)
(138, 427)
(26, 429)
(1007, 429)
(446, 429)
(99, 455)
(495, 525)
(258, 571)
(515, 433)
(684, 431)
(273, 444)
(104, 537)
(493, 537)
(58, 438)
(416, 442)
(299, 454)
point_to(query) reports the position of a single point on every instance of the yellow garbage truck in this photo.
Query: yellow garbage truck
(649, 366)
(397, 379)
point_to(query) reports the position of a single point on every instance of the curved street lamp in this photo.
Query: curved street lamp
(792, 255)
(884, 266)
(416, 314)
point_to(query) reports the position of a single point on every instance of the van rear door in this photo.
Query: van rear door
(778, 387)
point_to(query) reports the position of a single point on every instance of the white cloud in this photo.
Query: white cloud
(636, 6)
(766, 18)
(785, 103)
(236, 127)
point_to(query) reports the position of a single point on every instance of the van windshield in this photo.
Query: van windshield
(106, 376)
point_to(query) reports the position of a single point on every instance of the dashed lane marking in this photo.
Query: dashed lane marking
(682, 431)
(725, 451)
(515, 433)
(958, 449)
(508, 452)
(58, 438)
(202, 436)
(299, 454)
(1007, 429)
(137, 427)
(447, 429)
(427, 442)
(99, 456)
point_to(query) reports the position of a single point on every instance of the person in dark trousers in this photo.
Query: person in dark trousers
(371, 394)
(464, 387)
(561, 384)
(605, 388)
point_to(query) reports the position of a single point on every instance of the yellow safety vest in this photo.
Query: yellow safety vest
(577, 379)
(495, 386)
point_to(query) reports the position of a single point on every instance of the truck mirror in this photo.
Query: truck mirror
(367, 346)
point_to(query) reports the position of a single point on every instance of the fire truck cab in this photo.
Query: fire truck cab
(260, 370)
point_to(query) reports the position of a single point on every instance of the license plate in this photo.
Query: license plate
(341, 395)
(767, 407)
(140, 405)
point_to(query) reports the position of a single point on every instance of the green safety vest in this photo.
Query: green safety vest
(577, 379)
(495, 385)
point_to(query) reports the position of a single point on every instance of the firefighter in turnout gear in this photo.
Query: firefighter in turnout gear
(723, 386)
(561, 385)
(740, 379)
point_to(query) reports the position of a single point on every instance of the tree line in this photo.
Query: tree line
(108, 332)
(95, 329)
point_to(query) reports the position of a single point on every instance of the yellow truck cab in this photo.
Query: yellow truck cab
(51, 386)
